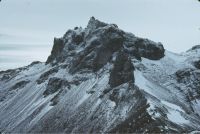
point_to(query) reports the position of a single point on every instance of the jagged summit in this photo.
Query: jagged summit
(94, 46)
(95, 23)
(100, 79)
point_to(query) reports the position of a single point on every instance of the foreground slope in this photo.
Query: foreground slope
(102, 79)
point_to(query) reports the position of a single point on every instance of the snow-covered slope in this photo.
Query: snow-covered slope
(102, 79)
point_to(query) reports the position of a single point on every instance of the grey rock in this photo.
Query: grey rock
(54, 85)
(197, 64)
(194, 48)
(56, 50)
(181, 74)
(20, 85)
(149, 49)
(122, 71)
(43, 77)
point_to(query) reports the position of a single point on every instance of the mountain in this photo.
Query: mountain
(101, 79)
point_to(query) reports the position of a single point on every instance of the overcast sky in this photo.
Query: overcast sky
(175, 23)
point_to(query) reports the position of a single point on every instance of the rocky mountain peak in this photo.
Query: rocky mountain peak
(95, 46)
(101, 79)
(95, 23)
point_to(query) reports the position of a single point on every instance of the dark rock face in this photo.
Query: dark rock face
(150, 50)
(11, 73)
(195, 47)
(99, 51)
(191, 78)
(122, 71)
(182, 74)
(20, 85)
(7, 75)
(57, 49)
(34, 63)
(197, 64)
(93, 47)
(46, 75)
(77, 39)
(94, 24)
(139, 121)
(54, 85)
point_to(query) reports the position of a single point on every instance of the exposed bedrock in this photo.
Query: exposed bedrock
(122, 71)
(93, 47)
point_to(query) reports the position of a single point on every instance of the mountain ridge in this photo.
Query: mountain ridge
(102, 79)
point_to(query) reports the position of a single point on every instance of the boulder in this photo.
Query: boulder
(149, 49)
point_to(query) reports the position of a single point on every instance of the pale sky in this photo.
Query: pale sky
(175, 23)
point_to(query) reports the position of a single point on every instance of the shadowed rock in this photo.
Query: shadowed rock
(184, 73)
(20, 85)
(46, 75)
(93, 47)
(122, 71)
(99, 51)
(197, 64)
(195, 47)
(56, 50)
(54, 85)
(149, 49)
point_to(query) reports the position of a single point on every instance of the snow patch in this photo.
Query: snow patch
(141, 82)
(173, 106)
(176, 117)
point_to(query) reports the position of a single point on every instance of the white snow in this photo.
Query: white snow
(112, 104)
(85, 96)
(175, 113)
(124, 111)
(173, 106)
(142, 82)
(176, 117)
(176, 57)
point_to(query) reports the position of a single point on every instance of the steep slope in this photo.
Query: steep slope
(102, 79)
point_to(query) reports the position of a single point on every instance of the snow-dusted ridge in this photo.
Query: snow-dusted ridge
(102, 79)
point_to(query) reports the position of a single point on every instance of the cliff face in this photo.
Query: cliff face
(102, 79)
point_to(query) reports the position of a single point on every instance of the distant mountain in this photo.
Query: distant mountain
(101, 79)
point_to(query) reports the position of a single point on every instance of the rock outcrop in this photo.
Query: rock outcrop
(122, 71)
(93, 47)
(197, 64)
